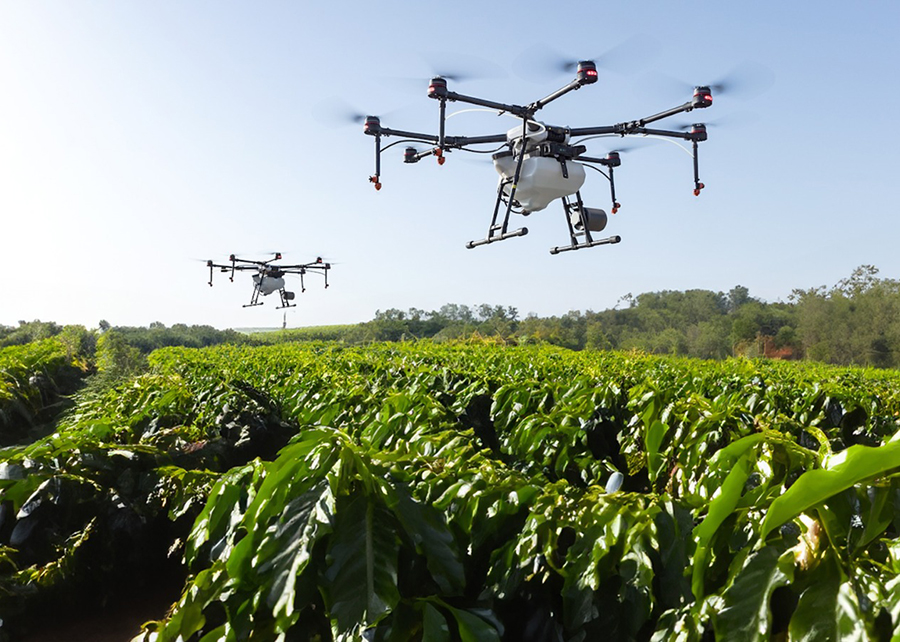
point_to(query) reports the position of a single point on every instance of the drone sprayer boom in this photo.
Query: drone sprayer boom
(540, 164)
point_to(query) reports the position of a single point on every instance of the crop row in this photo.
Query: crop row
(481, 492)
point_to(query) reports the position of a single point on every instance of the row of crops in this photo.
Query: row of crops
(468, 492)
(33, 379)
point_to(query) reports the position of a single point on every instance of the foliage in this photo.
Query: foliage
(470, 491)
(33, 379)
(853, 323)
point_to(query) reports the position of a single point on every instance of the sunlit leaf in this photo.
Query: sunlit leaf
(842, 471)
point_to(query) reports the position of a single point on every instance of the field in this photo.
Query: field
(465, 492)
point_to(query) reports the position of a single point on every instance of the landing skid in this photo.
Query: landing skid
(612, 240)
(493, 237)
(580, 229)
(498, 231)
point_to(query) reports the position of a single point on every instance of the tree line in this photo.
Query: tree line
(854, 322)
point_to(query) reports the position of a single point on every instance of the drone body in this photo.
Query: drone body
(269, 278)
(539, 163)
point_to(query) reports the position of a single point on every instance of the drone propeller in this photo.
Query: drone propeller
(461, 68)
(335, 112)
(745, 80)
(736, 119)
(627, 57)
(454, 67)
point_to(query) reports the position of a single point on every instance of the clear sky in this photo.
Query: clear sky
(138, 139)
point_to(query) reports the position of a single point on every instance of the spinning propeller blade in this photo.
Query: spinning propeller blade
(746, 80)
(736, 119)
(543, 62)
(335, 112)
(462, 67)
(454, 67)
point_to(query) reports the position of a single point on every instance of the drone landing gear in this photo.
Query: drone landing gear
(581, 221)
(498, 231)
(286, 298)
(612, 240)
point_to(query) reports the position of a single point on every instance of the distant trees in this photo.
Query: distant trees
(855, 322)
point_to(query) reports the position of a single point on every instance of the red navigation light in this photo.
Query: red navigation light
(702, 97)
(587, 72)
(372, 126)
(437, 88)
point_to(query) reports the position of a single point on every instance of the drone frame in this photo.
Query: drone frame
(266, 269)
(498, 230)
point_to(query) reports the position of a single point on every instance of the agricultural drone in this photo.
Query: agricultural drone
(269, 277)
(539, 163)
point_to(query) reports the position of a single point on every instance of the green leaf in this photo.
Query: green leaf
(360, 584)
(840, 472)
(473, 628)
(432, 537)
(719, 509)
(653, 440)
(746, 614)
(287, 547)
(828, 608)
(435, 628)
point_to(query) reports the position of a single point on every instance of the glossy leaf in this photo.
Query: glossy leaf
(840, 472)
(746, 614)
(360, 581)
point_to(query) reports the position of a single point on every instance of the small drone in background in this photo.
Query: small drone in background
(539, 163)
(269, 278)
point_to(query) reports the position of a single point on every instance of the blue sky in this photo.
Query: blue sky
(139, 139)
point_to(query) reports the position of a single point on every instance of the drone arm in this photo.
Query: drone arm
(595, 131)
(375, 178)
(609, 164)
(516, 110)
(539, 104)
(449, 141)
(686, 107)
(644, 131)
(697, 184)
(428, 138)
(462, 141)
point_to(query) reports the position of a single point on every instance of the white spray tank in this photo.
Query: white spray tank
(268, 284)
(541, 178)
